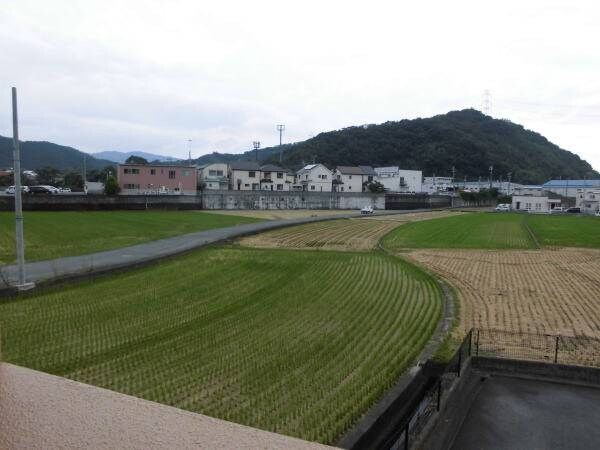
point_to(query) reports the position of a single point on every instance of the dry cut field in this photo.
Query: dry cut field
(343, 234)
(544, 291)
(273, 214)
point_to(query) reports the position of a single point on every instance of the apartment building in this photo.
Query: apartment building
(139, 179)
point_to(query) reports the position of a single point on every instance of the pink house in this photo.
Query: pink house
(135, 179)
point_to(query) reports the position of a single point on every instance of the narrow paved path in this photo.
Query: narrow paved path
(110, 260)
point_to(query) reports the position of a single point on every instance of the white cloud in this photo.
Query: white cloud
(149, 75)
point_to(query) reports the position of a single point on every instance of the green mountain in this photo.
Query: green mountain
(35, 155)
(468, 140)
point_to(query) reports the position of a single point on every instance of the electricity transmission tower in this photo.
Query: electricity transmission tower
(281, 129)
(486, 102)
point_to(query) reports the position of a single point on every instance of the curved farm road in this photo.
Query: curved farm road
(42, 272)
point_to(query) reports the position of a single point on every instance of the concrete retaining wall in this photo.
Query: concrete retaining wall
(290, 200)
(206, 200)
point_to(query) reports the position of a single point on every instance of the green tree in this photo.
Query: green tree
(73, 180)
(136, 160)
(111, 187)
(376, 187)
(47, 175)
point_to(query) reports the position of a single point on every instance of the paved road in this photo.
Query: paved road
(73, 266)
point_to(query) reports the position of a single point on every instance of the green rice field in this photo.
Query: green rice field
(297, 342)
(497, 231)
(50, 235)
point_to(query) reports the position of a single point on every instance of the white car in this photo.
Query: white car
(597, 214)
(558, 210)
(52, 189)
(11, 190)
(367, 210)
(64, 190)
(503, 207)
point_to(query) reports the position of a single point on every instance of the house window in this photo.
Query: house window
(251, 174)
(279, 174)
(171, 174)
(185, 172)
(131, 171)
(267, 175)
(132, 186)
(312, 188)
(349, 188)
(349, 177)
(246, 185)
(152, 171)
(212, 173)
(280, 187)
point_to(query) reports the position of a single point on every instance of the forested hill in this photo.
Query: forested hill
(35, 155)
(468, 140)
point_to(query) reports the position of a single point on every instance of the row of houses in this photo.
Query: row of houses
(136, 179)
(583, 194)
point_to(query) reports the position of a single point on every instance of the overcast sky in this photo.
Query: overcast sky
(127, 75)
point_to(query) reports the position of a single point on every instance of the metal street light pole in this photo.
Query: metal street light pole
(18, 201)
(256, 145)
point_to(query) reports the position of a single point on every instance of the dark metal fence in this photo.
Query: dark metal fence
(557, 349)
(578, 350)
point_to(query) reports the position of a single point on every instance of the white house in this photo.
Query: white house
(588, 200)
(534, 203)
(273, 178)
(395, 179)
(314, 178)
(348, 179)
(214, 176)
(244, 175)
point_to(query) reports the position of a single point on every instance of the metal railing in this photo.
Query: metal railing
(554, 349)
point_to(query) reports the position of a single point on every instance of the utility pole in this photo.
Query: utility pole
(256, 145)
(84, 173)
(453, 175)
(491, 175)
(189, 152)
(486, 102)
(280, 128)
(509, 176)
(22, 284)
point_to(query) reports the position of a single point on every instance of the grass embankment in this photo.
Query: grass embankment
(50, 235)
(297, 342)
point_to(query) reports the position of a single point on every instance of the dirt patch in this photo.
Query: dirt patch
(281, 214)
(345, 234)
(545, 291)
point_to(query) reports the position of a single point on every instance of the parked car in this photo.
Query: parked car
(558, 210)
(503, 207)
(597, 214)
(40, 190)
(52, 189)
(11, 190)
(574, 210)
(367, 210)
(64, 190)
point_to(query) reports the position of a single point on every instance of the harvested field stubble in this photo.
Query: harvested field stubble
(546, 291)
(344, 234)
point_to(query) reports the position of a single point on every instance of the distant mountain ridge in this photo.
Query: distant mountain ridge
(120, 157)
(38, 154)
(467, 140)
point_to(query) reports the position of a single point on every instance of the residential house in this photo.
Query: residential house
(395, 179)
(314, 178)
(588, 200)
(348, 179)
(214, 176)
(273, 178)
(139, 179)
(244, 175)
(368, 175)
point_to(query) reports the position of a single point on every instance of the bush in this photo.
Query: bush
(111, 187)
